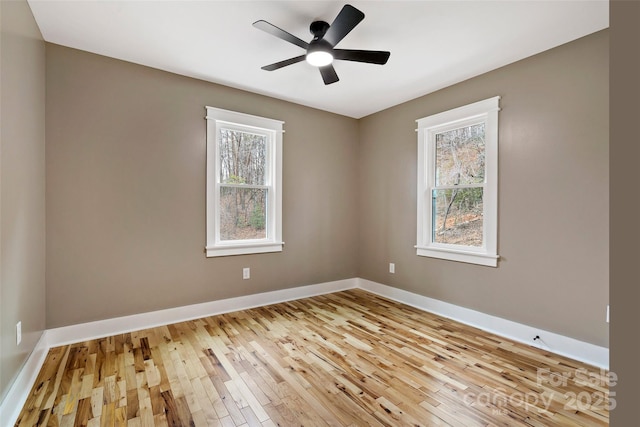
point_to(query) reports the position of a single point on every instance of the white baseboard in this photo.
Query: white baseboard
(15, 398)
(12, 404)
(119, 325)
(555, 343)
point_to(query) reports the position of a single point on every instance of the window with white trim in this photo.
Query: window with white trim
(458, 184)
(244, 183)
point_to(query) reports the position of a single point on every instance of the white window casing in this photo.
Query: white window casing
(486, 112)
(272, 130)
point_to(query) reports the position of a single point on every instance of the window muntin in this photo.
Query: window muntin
(244, 173)
(457, 187)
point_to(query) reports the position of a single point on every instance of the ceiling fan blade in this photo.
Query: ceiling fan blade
(277, 65)
(346, 21)
(369, 56)
(280, 33)
(329, 74)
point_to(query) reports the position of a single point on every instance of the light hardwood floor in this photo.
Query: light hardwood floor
(345, 359)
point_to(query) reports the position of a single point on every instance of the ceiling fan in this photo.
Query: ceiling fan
(321, 50)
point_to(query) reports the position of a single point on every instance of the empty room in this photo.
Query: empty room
(279, 213)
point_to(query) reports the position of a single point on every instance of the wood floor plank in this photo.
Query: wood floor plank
(345, 359)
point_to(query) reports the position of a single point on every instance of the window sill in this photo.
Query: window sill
(243, 249)
(488, 260)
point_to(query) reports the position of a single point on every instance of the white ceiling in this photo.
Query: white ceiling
(433, 44)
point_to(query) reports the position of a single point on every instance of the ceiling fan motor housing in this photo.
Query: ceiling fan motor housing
(318, 29)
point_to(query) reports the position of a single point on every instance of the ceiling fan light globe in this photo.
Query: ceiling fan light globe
(319, 58)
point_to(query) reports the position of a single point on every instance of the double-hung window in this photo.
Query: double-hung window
(458, 184)
(244, 183)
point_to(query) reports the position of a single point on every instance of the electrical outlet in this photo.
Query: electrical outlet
(18, 333)
(392, 267)
(246, 273)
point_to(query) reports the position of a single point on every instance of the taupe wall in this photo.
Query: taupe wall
(22, 187)
(126, 192)
(553, 194)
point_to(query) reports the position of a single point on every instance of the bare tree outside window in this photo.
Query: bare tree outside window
(243, 190)
(457, 199)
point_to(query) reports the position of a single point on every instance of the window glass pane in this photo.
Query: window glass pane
(243, 213)
(457, 216)
(242, 157)
(460, 156)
